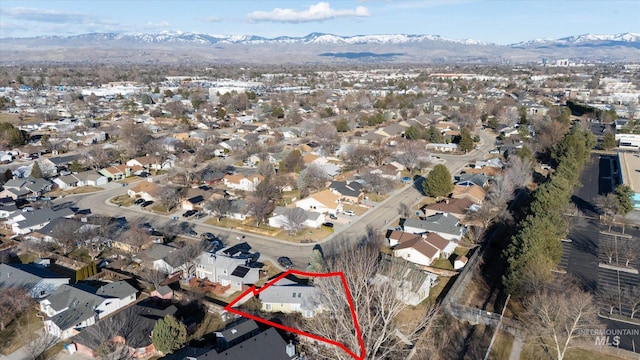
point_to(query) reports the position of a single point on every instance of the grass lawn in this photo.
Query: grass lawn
(26, 257)
(51, 352)
(210, 323)
(78, 190)
(435, 294)
(160, 209)
(533, 351)
(377, 198)
(306, 235)
(359, 210)
(122, 200)
(443, 264)
(462, 251)
(18, 332)
(502, 346)
(129, 180)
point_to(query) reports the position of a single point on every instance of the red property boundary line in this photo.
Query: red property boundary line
(252, 290)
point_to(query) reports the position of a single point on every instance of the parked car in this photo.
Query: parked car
(191, 232)
(328, 224)
(333, 216)
(200, 215)
(189, 213)
(285, 262)
(146, 203)
(139, 201)
(349, 212)
(208, 236)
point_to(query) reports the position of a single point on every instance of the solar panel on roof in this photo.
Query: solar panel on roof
(240, 271)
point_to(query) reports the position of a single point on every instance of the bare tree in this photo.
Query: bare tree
(409, 152)
(13, 302)
(66, 237)
(632, 298)
(377, 183)
(294, 220)
(260, 208)
(377, 305)
(501, 191)
(327, 136)
(608, 204)
(557, 318)
(219, 207)
(404, 210)
(518, 171)
(313, 177)
(630, 251)
(153, 276)
(168, 196)
(609, 298)
(609, 250)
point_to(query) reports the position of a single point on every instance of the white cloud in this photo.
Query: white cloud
(157, 25)
(212, 19)
(44, 15)
(318, 12)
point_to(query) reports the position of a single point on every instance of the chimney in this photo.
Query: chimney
(290, 349)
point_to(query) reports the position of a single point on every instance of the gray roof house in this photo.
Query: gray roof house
(446, 226)
(38, 281)
(287, 296)
(226, 270)
(279, 218)
(349, 191)
(72, 308)
(29, 221)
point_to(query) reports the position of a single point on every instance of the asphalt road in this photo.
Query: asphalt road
(345, 236)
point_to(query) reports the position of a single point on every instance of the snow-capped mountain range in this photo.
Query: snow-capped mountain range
(323, 38)
(312, 48)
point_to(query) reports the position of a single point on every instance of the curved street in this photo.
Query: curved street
(375, 218)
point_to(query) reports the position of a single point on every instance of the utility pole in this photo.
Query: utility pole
(493, 338)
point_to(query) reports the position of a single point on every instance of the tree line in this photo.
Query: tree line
(535, 248)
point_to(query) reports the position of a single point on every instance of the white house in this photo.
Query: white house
(226, 270)
(280, 218)
(289, 297)
(71, 308)
(240, 182)
(412, 285)
(321, 202)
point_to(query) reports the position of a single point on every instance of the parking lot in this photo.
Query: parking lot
(584, 252)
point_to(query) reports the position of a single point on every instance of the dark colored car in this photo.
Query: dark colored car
(332, 216)
(200, 215)
(285, 262)
(138, 201)
(146, 203)
(191, 232)
(189, 213)
(208, 236)
(328, 224)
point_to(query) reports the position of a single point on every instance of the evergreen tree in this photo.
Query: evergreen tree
(438, 182)
(169, 335)
(36, 172)
(466, 141)
(316, 263)
(75, 166)
(608, 141)
(624, 197)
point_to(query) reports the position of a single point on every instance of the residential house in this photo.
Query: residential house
(442, 147)
(28, 221)
(197, 197)
(25, 187)
(469, 191)
(265, 345)
(240, 182)
(446, 226)
(287, 297)
(69, 309)
(350, 191)
(279, 218)
(119, 172)
(387, 171)
(477, 179)
(412, 284)
(146, 190)
(236, 333)
(417, 251)
(8, 208)
(150, 163)
(227, 270)
(454, 207)
(164, 258)
(392, 130)
(138, 322)
(36, 279)
(325, 201)
(55, 163)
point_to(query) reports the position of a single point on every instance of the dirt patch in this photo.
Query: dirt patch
(78, 190)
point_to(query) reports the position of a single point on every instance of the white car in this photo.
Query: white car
(349, 212)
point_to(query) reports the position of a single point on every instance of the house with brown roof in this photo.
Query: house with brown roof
(324, 201)
(150, 162)
(119, 172)
(454, 207)
(144, 189)
(470, 192)
(424, 249)
(240, 182)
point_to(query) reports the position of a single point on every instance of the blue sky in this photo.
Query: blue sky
(498, 21)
